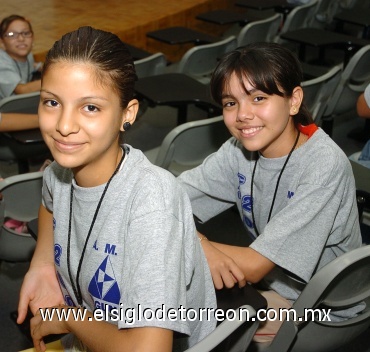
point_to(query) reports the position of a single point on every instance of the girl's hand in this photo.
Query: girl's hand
(225, 272)
(52, 325)
(40, 289)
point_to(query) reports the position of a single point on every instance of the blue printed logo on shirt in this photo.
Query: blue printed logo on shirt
(57, 253)
(290, 194)
(247, 203)
(248, 222)
(242, 178)
(103, 285)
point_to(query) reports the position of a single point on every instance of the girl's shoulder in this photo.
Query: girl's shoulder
(140, 169)
(322, 149)
(322, 161)
(5, 58)
(149, 184)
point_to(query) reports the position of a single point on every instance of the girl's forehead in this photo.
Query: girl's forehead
(238, 82)
(86, 70)
(18, 23)
(71, 65)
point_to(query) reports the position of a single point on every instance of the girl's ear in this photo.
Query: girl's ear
(129, 114)
(296, 100)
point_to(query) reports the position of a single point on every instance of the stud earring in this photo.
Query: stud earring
(294, 109)
(126, 126)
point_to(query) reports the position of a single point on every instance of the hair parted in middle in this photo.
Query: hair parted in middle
(104, 51)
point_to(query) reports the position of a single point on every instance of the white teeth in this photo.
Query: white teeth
(251, 130)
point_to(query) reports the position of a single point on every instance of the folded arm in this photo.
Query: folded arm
(17, 122)
(232, 264)
(23, 88)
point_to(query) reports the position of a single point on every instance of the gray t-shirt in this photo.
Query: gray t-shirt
(13, 72)
(143, 252)
(314, 218)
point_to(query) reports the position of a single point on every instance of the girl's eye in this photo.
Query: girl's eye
(258, 99)
(91, 108)
(228, 104)
(51, 103)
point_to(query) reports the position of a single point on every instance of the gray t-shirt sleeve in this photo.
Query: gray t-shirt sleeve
(10, 74)
(210, 186)
(291, 239)
(295, 237)
(164, 287)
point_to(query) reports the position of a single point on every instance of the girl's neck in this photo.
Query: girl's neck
(98, 172)
(283, 144)
(18, 58)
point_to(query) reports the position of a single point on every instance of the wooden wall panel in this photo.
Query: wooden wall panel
(129, 19)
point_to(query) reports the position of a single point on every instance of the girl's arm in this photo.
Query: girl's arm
(29, 87)
(101, 336)
(17, 122)
(233, 264)
(40, 287)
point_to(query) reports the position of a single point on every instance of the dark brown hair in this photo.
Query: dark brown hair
(7, 21)
(103, 50)
(269, 67)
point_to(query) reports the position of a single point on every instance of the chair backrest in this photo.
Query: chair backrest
(362, 4)
(318, 91)
(260, 31)
(22, 195)
(354, 79)
(361, 173)
(21, 201)
(188, 144)
(201, 60)
(151, 65)
(244, 315)
(21, 103)
(11, 149)
(324, 13)
(343, 283)
(300, 17)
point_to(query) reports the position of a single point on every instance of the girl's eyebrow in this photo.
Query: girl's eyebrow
(81, 99)
(253, 90)
(93, 97)
(225, 96)
(249, 92)
(47, 92)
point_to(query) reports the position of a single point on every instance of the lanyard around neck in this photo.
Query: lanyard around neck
(20, 71)
(76, 288)
(276, 187)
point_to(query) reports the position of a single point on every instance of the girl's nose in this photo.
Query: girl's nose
(245, 113)
(67, 124)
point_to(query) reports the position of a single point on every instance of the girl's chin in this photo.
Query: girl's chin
(66, 162)
(250, 146)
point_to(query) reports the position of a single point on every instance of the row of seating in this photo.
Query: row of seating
(199, 61)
